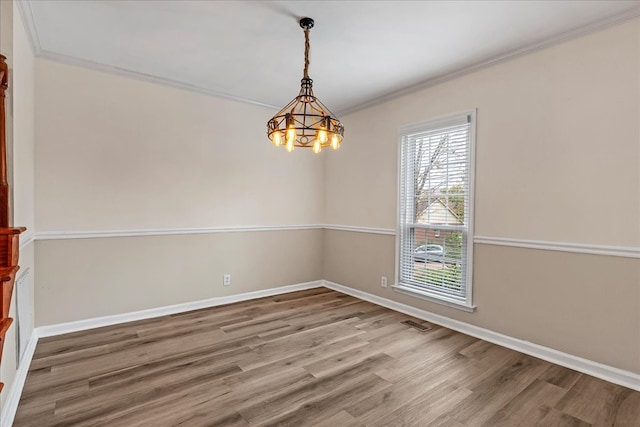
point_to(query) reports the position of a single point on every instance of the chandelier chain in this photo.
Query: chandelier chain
(305, 121)
(306, 53)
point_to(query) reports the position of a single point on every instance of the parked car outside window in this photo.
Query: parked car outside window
(429, 253)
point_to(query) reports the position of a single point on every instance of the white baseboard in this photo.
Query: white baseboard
(98, 322)
(15, 391)
(599, 370)
(589, 367)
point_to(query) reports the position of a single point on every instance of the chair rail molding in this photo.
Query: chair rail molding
(580, 248)
(573, 247)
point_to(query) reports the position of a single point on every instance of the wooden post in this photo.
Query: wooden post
(4, 184)
(9, 236)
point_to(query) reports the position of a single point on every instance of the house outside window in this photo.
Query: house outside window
(435, 232)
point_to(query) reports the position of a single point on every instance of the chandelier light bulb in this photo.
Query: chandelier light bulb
(317, 147)
(291, 135)
(289, 146)
(322, 136)
(335, 142)
(277, 138)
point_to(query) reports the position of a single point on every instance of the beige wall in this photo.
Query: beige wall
(558, 147)
(117, 153)
(558, 159)
(585, 305)
(84, 278)
(21, 147)
(6, 30)
(23, 153)
(23, 129)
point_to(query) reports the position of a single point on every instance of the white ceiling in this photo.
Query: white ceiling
(361, 51)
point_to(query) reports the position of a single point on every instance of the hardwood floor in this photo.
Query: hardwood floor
(310, 358)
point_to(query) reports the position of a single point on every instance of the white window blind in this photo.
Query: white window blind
(436, 209)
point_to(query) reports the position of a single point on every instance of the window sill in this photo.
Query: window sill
(425, 295)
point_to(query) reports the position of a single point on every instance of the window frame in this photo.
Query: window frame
(467, 303)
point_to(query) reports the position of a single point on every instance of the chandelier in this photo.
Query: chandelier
(305, 121)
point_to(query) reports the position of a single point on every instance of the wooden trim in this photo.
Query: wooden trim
(4, 184)
(9, 236)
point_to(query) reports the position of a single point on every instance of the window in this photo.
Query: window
(435, 236)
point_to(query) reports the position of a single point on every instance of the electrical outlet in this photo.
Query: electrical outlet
(226, 280)
(383, 281)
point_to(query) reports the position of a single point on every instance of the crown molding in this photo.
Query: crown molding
(26, 13)
(109, 69)
(495, 60)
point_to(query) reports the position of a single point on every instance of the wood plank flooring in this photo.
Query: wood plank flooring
(310, 358)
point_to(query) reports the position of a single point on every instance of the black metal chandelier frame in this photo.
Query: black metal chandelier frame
(305, 121)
